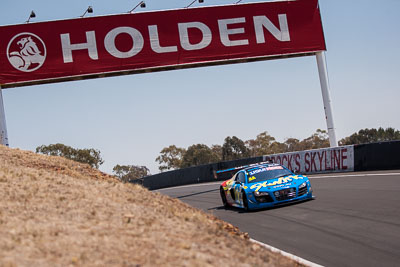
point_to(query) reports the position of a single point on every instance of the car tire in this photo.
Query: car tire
(245, 202)
(223, 197)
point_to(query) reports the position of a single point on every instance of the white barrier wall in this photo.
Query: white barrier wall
(338, 159)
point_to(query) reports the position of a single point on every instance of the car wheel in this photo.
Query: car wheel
(245, 202)
(223, 197)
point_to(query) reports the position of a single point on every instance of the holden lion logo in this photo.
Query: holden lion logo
(26, 52)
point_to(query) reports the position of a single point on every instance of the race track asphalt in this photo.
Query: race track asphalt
(354, 220)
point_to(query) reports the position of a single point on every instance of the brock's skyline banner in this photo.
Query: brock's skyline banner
(93, 47)
(324, 160)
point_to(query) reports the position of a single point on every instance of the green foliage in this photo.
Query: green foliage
(234, 148)
(170, 158)
(277, 147)
(292, 144)
(89, 156)
(128, 173)
(264, 144)
(366, 136)
(199, 154)
(217, 150)
(319, 139)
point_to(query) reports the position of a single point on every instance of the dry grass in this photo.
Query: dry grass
(56, 212)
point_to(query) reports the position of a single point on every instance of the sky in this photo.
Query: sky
(130, 119)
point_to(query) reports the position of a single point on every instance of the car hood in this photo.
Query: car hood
(278, 182)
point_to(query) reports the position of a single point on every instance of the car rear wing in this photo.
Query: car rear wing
(236, 169)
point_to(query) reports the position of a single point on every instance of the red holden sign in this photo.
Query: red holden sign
(152, 41)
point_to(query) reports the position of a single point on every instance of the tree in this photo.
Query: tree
(234, 148)
(292, 144)
(128, 173)
(89, 156)
(262, 145)
(217, 150)
(366, 136)
(170, 158)
(197, 155)
(319, 139)
(278, 147)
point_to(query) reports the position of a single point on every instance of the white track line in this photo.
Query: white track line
(189, 185)
(310, 177)
(286, 254)
(354, 175)
(276, 250)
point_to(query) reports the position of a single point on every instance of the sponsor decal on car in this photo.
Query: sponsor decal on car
(227, 184)
(282, 180)
(266, 169)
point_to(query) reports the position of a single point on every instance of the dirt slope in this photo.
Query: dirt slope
(56, 212)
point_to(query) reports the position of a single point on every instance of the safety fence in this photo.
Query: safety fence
(365, 157)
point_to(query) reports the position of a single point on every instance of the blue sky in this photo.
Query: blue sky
(131, 118)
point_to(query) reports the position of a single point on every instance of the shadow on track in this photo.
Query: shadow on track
(198, 193)
(240, 210)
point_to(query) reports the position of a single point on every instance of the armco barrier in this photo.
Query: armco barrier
(197, 174)
(366, 157)
(377, 156)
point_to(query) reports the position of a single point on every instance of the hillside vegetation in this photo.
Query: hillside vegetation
(57, 212)
(173, 157)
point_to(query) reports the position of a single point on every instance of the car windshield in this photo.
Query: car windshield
(266, 173)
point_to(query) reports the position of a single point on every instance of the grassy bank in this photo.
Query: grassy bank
(56, 212)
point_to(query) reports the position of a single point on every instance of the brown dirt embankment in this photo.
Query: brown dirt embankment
(56, 212)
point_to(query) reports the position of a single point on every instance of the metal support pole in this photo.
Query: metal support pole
(3, 125)
(323, 78)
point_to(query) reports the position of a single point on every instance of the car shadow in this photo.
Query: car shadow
(281, 206)
(238, 210)
(198, 193)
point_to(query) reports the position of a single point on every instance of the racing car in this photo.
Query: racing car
(264, 185)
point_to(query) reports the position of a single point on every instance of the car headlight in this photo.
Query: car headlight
(303, 185)
(259, 194)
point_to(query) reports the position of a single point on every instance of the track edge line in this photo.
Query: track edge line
(286, 254)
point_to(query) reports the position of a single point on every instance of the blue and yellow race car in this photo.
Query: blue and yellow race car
(264, 185)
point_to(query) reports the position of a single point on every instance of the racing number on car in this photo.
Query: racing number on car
(236, 189)
(241, 178)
